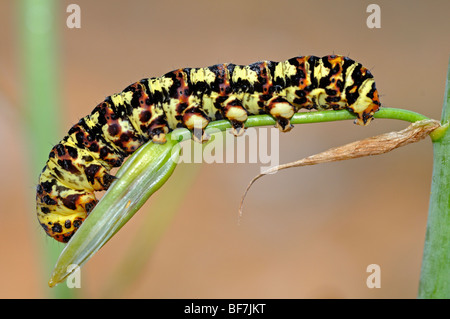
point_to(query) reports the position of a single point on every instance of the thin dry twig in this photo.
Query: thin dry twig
(375, 145)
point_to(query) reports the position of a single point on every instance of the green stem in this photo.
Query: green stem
(308, 118)
(39, 56)
(435, 273)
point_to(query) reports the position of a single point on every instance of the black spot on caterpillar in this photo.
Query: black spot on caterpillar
(147, 110)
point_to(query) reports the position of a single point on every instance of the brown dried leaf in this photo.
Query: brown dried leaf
(375, 145)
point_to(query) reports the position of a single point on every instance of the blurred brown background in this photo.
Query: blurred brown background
(307, 232)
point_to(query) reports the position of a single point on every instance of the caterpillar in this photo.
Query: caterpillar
(189, 98)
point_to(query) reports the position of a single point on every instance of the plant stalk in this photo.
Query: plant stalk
(435, 273)
(39, 56)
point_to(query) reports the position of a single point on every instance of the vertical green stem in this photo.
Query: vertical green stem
(435, 275)
(41, 101)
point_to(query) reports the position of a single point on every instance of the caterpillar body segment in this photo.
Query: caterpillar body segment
(190, 98)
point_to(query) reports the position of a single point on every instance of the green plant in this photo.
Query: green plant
(39, 61)
(435, 274)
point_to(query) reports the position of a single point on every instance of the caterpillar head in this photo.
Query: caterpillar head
(61, 210)
(60, 227)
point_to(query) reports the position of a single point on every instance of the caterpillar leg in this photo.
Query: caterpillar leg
(196, 121)
(158, 135)
(282, 111)
(235, 112)
(158, 129)
(237, 128)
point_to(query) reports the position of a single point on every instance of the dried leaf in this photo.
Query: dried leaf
(375, 145)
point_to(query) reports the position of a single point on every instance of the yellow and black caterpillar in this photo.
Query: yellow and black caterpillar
(191, 97)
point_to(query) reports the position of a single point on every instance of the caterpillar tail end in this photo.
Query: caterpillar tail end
(366, 117)
(367, 104)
